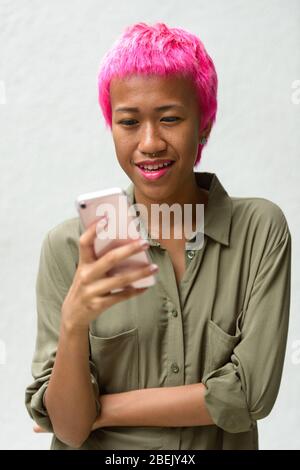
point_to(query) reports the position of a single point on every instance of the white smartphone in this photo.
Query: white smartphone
(121, 229)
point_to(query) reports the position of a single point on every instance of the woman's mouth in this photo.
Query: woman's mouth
(150, 173)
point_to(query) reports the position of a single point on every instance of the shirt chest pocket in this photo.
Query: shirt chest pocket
(116, 360)
(220, 345)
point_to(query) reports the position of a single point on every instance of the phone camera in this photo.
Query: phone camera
(82, 205)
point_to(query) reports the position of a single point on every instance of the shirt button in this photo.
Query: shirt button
(175, 368)
(191, 254)
(174, 313)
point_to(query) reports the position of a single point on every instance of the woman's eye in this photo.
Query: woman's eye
(171, 117)
(130, 122)
(127, 122)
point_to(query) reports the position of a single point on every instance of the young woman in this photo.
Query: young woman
(194, 361)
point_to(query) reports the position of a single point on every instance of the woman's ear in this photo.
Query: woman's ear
(205, 132)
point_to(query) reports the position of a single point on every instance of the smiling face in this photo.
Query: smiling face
(172, 133)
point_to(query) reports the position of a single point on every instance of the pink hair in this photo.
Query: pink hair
(157, 49)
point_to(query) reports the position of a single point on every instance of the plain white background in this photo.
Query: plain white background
(54, 145)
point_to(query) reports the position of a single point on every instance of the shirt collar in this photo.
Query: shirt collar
(217, 213)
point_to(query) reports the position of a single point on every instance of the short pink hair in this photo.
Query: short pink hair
(157, 49)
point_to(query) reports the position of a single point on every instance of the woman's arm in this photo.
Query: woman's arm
(181, 406)
(61, 359)
(71, 372)
(69, 399)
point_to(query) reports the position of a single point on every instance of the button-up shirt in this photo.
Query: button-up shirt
(225, 325)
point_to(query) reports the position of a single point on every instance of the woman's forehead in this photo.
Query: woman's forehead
(177, 90)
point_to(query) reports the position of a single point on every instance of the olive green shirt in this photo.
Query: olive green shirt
(225, 326)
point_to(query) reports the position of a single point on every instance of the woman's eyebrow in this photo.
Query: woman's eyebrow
(159, 108)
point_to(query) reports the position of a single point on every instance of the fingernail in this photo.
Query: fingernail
(144, 243)
(153, 267)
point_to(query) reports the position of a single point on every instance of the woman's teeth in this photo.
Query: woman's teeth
(155, 167)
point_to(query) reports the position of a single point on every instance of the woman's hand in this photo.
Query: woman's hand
(89, 294)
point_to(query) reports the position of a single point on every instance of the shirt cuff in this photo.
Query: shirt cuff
(226, 402)
(35, 404)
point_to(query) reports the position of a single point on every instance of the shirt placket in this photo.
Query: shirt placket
(175, 361)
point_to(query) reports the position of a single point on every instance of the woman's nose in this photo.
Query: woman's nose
(151, 140)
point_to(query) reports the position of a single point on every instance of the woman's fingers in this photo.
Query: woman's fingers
(127, 293)
(86, 241)
(93, 289)
(108, 284)
(112, 258)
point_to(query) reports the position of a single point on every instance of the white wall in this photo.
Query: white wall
(54, 145)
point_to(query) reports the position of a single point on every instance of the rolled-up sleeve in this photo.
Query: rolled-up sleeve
(51, 289)
(244, 390)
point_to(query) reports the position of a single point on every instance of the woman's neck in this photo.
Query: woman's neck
(164, 225)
